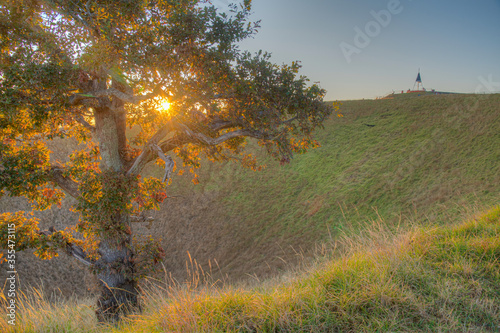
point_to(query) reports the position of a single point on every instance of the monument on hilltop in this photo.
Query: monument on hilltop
(418, 83)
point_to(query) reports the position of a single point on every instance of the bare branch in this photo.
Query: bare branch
(78, 253)
(79, 118)
(146, 155)
(71, 249)
(216, 141)
(169, 162)
(141, 218)
(174, 142)
(168, 145)
(66, 183)
(289, 120)
(82, 99)
(220, 125)
(186, 136)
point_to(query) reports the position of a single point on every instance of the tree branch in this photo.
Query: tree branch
(168, 145)
(66, 183)
(79, 98)
(146, 155)
(82, 99)
(78, 253)
(187, 136)
(79, 118)
(220, 125)
(71, 249)
(169, 162)
(289, 120)
(224, 137)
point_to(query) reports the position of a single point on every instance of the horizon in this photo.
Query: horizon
(369, 49)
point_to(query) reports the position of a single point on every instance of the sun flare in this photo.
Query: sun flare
(164, 105)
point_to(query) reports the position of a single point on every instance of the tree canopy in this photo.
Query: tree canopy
(91, 70)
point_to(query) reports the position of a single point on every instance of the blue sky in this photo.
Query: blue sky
(456, 44)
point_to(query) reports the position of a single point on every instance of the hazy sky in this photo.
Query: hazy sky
(368, 48)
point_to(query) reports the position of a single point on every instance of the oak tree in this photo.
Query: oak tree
(91, 70)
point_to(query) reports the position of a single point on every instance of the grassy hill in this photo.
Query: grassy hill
(425, 161)
(445, 279)
(413, 159)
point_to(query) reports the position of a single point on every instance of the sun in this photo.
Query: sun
(164, 105)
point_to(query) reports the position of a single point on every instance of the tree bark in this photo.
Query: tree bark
(115, 270)
(109, 142)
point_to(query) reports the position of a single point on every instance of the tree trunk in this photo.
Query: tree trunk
(115, 270)
(109, 142)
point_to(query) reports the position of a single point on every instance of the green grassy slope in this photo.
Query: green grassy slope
(445, 279)
(399, 160)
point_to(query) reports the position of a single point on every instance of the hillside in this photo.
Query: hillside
(400, 160)
(421, 160)
(445, 279)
